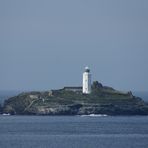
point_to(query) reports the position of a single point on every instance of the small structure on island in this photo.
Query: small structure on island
(86, 81)
(74, 89)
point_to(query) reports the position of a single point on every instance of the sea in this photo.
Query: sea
(73, 131)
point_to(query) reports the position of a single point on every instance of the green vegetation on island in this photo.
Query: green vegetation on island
(102, 100)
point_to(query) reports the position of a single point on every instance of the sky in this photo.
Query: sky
(45, 44)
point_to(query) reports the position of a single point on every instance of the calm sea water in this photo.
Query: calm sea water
(7, 94)
(73, 132)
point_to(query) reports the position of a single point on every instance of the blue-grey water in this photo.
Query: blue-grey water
(7, 94)
(141, 94)
(73, 132)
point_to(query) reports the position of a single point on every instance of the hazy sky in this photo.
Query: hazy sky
(46, 44)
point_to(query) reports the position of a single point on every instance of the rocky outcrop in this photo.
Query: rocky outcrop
(1, 109)
(102, 100)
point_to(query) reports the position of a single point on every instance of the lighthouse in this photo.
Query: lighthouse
(86, 81)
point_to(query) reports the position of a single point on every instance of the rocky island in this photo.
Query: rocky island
(71, 101)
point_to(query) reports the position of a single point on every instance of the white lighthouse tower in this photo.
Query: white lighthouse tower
(86, 81)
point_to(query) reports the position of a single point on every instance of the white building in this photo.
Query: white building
(86, 81)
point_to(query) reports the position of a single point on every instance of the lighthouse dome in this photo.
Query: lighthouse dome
(87, 69)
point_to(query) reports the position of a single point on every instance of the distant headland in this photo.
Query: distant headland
(91, 98)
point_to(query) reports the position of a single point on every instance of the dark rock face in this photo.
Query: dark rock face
(102, 100)
(1, 109)
(96, 85)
